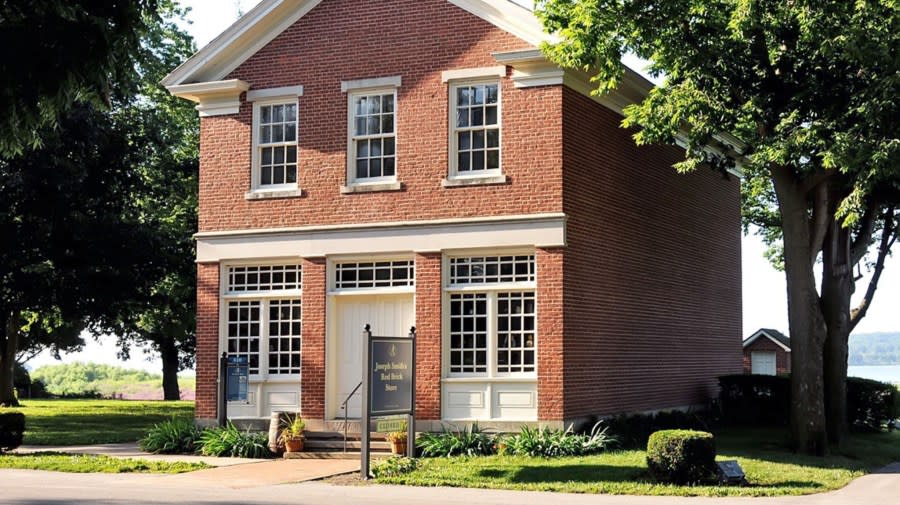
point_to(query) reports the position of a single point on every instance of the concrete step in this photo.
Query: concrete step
(333, 455)
(313, 444)
(339, 435)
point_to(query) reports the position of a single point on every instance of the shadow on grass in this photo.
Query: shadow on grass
(568, 473)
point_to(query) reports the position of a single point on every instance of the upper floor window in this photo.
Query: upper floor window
(475, 129)
(277, 144)
(373, 138)
(371, 134)
(275, 141)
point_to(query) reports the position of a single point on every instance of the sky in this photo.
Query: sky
(764, 288)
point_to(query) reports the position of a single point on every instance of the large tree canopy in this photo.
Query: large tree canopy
(57, 53)
(810, 88)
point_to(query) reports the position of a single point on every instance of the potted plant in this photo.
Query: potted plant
(398, 440)
(292, 433)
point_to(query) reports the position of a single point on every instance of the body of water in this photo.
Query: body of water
(883, 373)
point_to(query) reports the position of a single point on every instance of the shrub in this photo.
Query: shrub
(176, 436)
(632, 431)
(870, 404)
(230, 441)
(682, 456)
(468, 442)
(393, 467)
(549, 443)
(12, 430)
(755, 399)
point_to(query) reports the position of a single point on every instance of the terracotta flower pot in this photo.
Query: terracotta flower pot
(398, 447)
(293, 444)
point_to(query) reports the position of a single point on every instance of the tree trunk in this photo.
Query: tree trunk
(169, 354)
(8, 344)
(807, 326)
(837, 287)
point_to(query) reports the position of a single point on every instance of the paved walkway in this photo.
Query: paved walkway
(229, 472)
(276, 482)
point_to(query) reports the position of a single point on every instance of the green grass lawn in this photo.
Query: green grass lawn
(80, 463)
(771, 469)
(80, 422)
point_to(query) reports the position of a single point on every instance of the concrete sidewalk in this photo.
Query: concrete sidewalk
(228, 472)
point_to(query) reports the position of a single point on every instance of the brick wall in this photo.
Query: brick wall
(551, 371)
(312, 392)
(207, 339)
(652, 271)
(428, 336)
(353, 39)
(782, 358)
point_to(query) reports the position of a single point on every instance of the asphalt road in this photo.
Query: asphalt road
(28, 487)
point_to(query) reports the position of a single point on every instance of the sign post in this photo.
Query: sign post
(389, 386)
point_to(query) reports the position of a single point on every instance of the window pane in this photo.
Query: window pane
(360, 126)
(290, 132)
(493, 159)
(279, 155)
(291, 177)
(278, 176)
(478, 95)
(291, 155)
(362, 169)
(388, 146)
(373, 126)
(267, 156)
(290, 113)
(266, 135)
(463, 164)
(388, 167)
(387, 103)
(374, 104)
(493, 138)
(362, 148)
(266, 114)
(462, 117)
(375, 147)
(491, 118)
(477, 116)
(387, 123)
(375, 167)
(361, 106)
(491, 92)
(277, 113)
(478, 140)
(462, 96)
(464, 140)
(478, 160)
(266, 175)
(278, 133)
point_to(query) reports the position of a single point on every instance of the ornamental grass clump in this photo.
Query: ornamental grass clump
(471, 441)
(232, 442)
(175, 436)
(550, 443)
(393, 467)
(682, 456)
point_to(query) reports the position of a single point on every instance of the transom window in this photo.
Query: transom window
(276, 144)
(264, 317)
(492, 316)
(492, 269)
(373, 137)
(263, 278)
(380, 274)
(476, 129)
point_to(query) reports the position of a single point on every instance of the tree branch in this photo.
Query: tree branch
(888, 237)
(819, 223)
(861, 243)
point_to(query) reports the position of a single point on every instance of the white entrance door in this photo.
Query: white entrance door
(762, 362)
(389, 315)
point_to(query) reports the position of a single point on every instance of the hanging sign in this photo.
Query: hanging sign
(391, 371)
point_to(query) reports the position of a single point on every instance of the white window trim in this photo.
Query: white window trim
(354, 185)
(374, 86)
(491, 290)
(264, 297)
(492, 176)
(272, 97)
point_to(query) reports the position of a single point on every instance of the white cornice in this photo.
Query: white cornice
(536, 230)
(213, 98)
(507, 16)
(763, 333)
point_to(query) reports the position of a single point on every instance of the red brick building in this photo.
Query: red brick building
(419, 163)
(767, 352)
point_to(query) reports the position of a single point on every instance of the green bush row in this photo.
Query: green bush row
(766, 400)
(183, 437)
(544, 442)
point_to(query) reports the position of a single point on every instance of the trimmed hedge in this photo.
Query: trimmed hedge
(12, 430)
(871, 405)
(682, 456)
(766, 400)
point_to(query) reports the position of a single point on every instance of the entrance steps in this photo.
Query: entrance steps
(330, 445)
